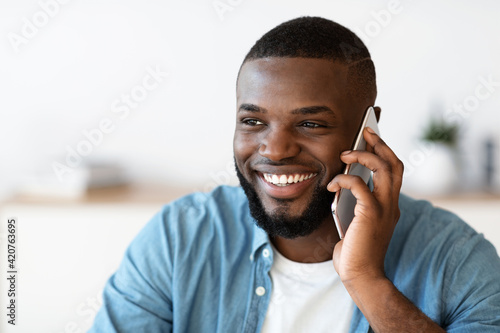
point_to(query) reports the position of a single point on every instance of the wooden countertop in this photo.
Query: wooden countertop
(158, 194)
(140, 194)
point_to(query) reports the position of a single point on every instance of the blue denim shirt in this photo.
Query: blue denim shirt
(197, 265)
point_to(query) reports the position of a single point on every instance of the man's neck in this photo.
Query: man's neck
(316, 247)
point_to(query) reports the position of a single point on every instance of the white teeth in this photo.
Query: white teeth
(284, 180)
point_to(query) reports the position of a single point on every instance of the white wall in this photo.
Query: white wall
(66, 77)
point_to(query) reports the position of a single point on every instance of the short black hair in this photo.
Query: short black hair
(317, 37)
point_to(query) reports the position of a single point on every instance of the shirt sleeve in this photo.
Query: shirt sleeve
(137, 297)
(473, 286)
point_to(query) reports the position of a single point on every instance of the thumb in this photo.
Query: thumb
(337, 250)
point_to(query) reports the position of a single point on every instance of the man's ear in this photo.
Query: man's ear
(377, 110)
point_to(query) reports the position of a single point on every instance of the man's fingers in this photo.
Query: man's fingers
(387, 168)
(385, 178)
(353, 183)
(377, 146)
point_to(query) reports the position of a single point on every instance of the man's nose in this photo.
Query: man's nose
(279, 144)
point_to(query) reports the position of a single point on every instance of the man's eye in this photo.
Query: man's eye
(310, 124)
(252, 122)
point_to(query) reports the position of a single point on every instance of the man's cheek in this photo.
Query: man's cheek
(240, 158)
(336, 167)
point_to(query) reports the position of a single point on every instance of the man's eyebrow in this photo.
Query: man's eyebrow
(251, 108)
(313, 110)
(304, 110)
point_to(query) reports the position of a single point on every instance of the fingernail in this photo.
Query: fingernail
(369, 129)
(346, 152)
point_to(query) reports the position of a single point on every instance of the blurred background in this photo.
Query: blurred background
(110, 109)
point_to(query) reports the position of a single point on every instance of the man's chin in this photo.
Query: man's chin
(278, 220)
(287, 208)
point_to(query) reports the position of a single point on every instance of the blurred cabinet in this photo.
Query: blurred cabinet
(66, 251)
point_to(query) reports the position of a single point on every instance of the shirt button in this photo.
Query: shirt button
(251, 257)
(265, 253)
(260, 291)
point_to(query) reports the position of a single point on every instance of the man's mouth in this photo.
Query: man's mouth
(287, 179)
(286, 186)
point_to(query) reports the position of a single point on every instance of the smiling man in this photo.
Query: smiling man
(267, 256)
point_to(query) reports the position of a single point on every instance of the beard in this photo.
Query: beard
(279, 222)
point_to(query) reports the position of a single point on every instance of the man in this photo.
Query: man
(259, 257)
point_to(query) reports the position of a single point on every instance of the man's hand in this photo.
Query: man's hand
(359, 257)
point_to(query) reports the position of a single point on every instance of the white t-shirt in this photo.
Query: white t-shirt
(307, 298)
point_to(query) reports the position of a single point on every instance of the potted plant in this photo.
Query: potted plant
(440, 132)
(437, 175)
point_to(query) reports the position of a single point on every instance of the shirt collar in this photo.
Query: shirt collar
(260, 237)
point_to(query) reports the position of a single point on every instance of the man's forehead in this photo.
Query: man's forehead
(276, 76)
(264, 69)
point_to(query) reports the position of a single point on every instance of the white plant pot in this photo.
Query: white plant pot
(436, 174)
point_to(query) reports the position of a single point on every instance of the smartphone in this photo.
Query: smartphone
(344, 201)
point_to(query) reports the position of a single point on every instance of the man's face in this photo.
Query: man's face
(294, 118)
